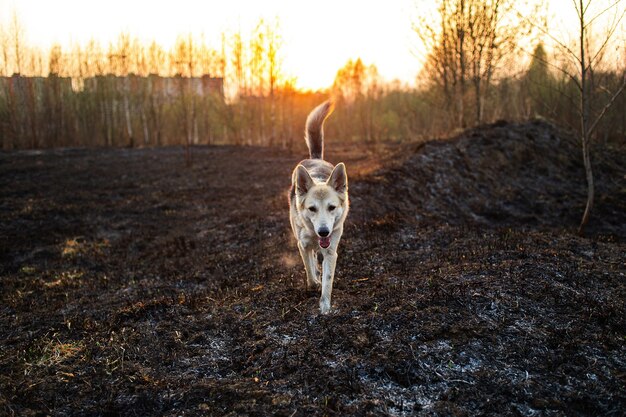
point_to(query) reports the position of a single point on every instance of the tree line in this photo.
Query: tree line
(132, 94)
(236, 92)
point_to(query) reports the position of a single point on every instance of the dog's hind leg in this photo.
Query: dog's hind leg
(328, 274)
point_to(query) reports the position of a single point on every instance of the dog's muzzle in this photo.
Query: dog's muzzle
(324, 235)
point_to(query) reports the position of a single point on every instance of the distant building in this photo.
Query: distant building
(167, 87)
(155, 84)
(19, 84)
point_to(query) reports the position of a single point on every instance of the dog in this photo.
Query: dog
(318, 207)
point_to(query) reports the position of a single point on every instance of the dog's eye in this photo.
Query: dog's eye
(331, 208)
(313, 209)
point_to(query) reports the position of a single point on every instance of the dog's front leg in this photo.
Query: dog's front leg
(328, 273)
(309, 266)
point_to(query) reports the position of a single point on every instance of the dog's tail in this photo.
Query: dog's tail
(314, 132)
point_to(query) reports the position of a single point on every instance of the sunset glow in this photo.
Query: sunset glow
(319, 37)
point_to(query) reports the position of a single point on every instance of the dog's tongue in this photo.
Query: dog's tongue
(325, 242)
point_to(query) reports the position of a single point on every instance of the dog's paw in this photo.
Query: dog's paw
(314, 283)
(324, 307)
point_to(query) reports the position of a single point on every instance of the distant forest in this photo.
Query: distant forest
(131, 94)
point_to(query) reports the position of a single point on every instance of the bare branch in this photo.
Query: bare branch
(578, 11)
(608, 36)
(602, 12)
(586, 7)
(549, 35)
(608, 106)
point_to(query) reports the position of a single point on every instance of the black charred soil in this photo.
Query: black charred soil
(133, 285)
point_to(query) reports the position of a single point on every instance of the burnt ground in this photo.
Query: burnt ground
(132, 285)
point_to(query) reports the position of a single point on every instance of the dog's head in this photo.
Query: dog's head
(323, 204)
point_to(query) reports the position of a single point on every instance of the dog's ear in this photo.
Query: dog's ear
(339, 179)
(303, 181)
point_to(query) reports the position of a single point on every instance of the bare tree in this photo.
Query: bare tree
(466, 47)
(8, 109)
(258, 67)
(6, 51)
(358, 86)
(274, 42)
(156, 91)
(17, 41)
(587, 59)
(238, 63)
(446, 62)
(120, 58)
(53, 108)
(184, 60)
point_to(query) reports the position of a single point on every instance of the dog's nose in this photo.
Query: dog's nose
(323, 231)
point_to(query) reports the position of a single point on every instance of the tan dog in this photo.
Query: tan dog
(318, 206)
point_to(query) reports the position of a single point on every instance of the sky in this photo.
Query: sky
(319, 36)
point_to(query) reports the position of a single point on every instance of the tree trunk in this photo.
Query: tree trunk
(31, 97)
(479, 101)
(109, 123)
(590, 187)
(584, 121)
(144, 123)
(129, 126)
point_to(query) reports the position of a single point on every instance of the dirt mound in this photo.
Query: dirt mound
(503, 174)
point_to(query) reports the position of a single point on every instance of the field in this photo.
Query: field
(133, 285)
